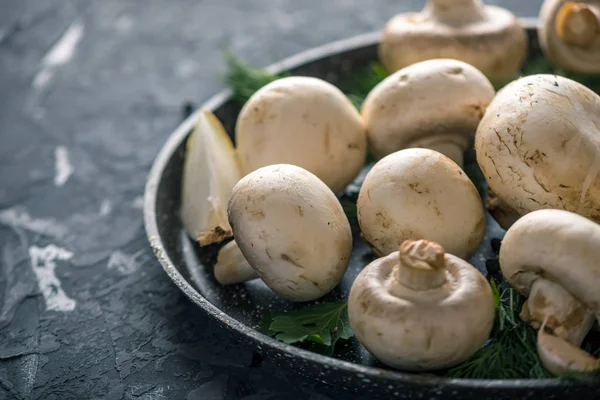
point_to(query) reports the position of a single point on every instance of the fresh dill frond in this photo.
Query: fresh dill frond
(363, 81)
(541, 65)
(511, 351)
(244, 79)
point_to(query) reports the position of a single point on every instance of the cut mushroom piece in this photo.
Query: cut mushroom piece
(292, 230)
(232, 267)
(209, 173)
(551, 256)
(487, 37)
(420, 308)
(569, 34)
(435, 104)
(305, 122)
(537, 146)
(420, 194)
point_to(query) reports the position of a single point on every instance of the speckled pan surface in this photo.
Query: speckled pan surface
(240, 307)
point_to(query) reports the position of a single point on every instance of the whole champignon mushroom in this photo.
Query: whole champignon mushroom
(569, 34)
(538, 146)
(306, 122)
(551, 256)
(420, 308)
(292, 230)
(420, 194)
(487, 37)
(436, 104)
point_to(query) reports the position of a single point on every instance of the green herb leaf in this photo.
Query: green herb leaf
(511, 351)
(541, 65)
(363, 81)
(245, 80)
(323, 324)
(265, 324)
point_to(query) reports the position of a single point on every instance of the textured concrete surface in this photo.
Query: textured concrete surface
(89, 91)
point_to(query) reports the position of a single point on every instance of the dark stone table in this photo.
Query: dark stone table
(89, 91)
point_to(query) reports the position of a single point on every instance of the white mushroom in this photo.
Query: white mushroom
(487, 37)
(551, 256)
(420, 308)
(435, 104)
(569, 34)
(305, 122)
(420, 194)
(231, 267)
(292, 230)
(538, 146)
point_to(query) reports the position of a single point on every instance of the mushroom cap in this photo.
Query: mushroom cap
(538, 146)
(420, 194)
(489, 38)
(435, 100)
(421, 330)
(292, 230)
(556, 245)
(306, 122)
(561, 54)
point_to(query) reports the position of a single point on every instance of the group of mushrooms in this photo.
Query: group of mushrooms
(421, 305)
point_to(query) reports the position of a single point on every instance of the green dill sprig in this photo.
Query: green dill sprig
(541, 65)
(244, 79)
(511, 350)
(363, 81)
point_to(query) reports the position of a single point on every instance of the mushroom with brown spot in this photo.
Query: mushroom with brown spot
(435, 104)
(488, 37)
(420, 194)
(551, 256)
(301, 256)
(537, 146)
(420, 308)
(569, 34)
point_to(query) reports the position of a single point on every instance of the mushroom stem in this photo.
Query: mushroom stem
(459, 11)
(231, 267)
(578, 24)
(562, 323)
(561, 357)
(563, 315)
(421, 265)
(502, 213)
(450, 149)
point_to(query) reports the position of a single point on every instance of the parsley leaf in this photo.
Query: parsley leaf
(323, 324)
